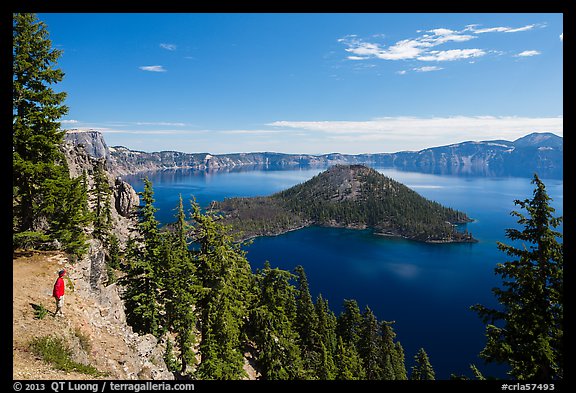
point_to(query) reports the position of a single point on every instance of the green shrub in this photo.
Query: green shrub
(54, 351)
(39, 311)
(28, 240)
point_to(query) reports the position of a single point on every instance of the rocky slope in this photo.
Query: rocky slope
(95, 326)
(537, 152)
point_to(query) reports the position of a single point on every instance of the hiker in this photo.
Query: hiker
(58, 293)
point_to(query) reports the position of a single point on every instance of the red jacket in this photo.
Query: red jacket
(58, 291)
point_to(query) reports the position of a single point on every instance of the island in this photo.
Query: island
(346, 196)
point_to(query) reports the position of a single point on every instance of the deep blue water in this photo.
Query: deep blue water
(426, 288)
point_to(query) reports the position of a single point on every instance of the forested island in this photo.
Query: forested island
(348, 196)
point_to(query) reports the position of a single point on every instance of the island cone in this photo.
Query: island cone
(349, 196)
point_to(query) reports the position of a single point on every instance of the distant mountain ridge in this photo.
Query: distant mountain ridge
(537, 152)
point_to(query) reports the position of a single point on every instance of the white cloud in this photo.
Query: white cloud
(562, 37)
(415, 133)
(160, 123)
(452, 54)
(154, 68)
(528, 53)
(423, 47)
(402, 72)
(69, 121)
(499, 29)
(170, 47)
(427, 69)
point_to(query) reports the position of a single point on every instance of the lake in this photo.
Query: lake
(426, 288)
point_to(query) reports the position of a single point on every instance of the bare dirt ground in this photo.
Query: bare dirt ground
(33, 278)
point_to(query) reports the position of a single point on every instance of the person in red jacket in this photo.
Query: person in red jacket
(58, 293)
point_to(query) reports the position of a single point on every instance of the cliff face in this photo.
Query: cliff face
(94, 327)
(538, 152)
(92, 141)
(83, 154)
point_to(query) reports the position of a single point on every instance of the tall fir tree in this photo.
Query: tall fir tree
(225, 278)
(389, 357)
(272, 326)
(369, 345)
(41, 184)
(306, 325)
(181, 290)
(327, 333)
(398, 362)
(527, 331)
(36, 108)
(422, 369)
(349, 321)
(69, 213)
(101, 196)
(348, 362)
(144, 274)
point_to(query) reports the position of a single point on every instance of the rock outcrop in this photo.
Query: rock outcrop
(132, 356)
(84, 157)
(91, 140)
(120, 351)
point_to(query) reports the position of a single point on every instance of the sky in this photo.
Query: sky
(309, 83)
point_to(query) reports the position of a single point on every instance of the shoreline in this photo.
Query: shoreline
(360, 227)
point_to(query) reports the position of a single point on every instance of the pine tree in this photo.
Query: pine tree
(527, 332)
(398, 363)
(327, 333)
(144, 273)
(369, 345)
(422, 370)
(225, 278)
(306, 325)
(69, 213)
(348, 362)
(101, 196)
(388, 351)
(181, 290)
(272, 326)
(349, 321)
(39, 167)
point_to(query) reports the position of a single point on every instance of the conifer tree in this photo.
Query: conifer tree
(69, 213)
(306, 325)
(369, 345)
(47, 204)
(101, 196)
(527, 331)
(398, 362)
(348, 362)
(388, 351)
(225, 278)
(181, 290)
(39, 167)
(327, 333)
(145, 271)
(349, 321)
(422, 370)
(272, 326)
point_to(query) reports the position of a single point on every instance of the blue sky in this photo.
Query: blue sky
(309, 83)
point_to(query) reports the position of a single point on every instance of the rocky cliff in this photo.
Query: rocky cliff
(94, 327)
(537, 152)
(84, 153)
